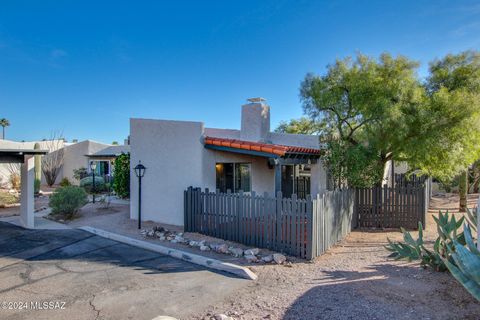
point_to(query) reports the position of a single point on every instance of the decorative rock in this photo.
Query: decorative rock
(179, 239)
(252, 252)
(221, 316)
(193, 243)
(162, 238)
(180, 234)
(150, 233)
(237, 252)
(159, 234)
(268, 258)
(223, 248)
(251, 258)
(159, 229)
(173, 241)
(279, 258)
(204, 248)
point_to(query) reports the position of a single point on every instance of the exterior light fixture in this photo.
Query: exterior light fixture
(93, 167)
(140, 172)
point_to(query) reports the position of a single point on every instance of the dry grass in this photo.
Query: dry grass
(7, 199)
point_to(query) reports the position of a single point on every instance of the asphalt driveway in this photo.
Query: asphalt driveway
(72, 274)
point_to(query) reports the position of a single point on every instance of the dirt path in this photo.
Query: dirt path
(354, 280)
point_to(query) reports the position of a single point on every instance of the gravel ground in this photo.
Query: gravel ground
(354, 280)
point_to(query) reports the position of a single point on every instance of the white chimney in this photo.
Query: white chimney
(255, 120)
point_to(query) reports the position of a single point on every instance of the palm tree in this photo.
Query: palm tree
(4, 123)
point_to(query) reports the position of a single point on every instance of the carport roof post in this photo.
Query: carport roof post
(27, 202)
(14, 152)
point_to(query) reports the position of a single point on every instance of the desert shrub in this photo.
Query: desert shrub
(36, 186)
(121, 180)
(65, 182)
(80, 173)
(87, 184)
(7, 198)
(15, 181)
(454, 250)
(410, 249)
(67, 200)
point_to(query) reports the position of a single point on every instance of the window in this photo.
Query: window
(233, 177)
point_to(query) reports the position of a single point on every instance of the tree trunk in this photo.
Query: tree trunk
(463, 190)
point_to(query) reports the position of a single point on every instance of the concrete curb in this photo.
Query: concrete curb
(237, 270)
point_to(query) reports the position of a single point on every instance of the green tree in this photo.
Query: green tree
(454, 90)
(364, 105)
(4, 123)
(376, 110)
(303, 125)
(121, 180)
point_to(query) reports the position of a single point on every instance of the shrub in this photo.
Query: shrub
(466, 263)
(87, 184)
(454, 250)
(448, 231)
(15, 181)
(80, 173)
(7, 198)
(121, 181)
(67, 200)
(65, 182)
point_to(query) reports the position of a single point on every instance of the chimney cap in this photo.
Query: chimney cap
(256, 100)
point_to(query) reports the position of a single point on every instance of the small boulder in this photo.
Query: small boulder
(162, 238)
(179, 239)
(223, 248)
(251, 258)
(204, 248)
(252, 252)
(279, 258)
(267, 259)
(236, 252)
(221, 316)
(150, 233)
(193, 243)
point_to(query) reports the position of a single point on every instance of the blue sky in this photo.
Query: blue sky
(86, 67)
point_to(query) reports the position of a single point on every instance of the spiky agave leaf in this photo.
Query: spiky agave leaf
(466, 270)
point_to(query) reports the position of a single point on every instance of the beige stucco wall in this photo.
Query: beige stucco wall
(75, 157)
(173, 153)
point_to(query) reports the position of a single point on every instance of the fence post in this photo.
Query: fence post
(278, 221)
(309, 209)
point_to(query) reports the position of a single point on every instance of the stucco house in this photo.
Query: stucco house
(179, 154)
(76, 155)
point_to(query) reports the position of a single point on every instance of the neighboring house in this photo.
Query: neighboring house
(48, 145)
(75, 156)
(179, 154)
(105, 158)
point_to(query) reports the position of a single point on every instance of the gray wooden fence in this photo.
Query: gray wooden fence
(299, 227)
(400, 206)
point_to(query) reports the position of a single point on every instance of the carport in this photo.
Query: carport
(15, 152)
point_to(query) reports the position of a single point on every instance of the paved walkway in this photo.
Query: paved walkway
(98, 278)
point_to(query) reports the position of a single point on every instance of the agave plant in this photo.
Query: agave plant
(448, 231)
(466, 263)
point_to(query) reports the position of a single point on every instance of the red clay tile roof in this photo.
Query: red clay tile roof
(277, 149)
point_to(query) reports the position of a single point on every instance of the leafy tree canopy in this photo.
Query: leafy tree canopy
(374, 110)
(303, 125)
